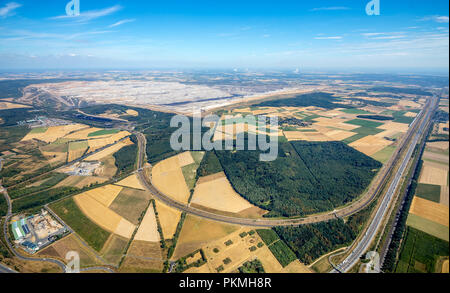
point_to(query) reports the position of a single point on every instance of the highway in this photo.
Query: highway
(355, 207)
(364, 243)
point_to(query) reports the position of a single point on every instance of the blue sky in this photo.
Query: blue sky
(312, 35)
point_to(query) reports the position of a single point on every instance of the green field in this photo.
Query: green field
(400, 118)
(355, 111)
(38, 130)
(70, 213)
(130, 204)
(385, 154)
(282, 253)
(103, 132)
(429, 191)
(421, 252)
(367, 130)
(429, 227)
(364, 123)
(268, 236)
(78, 145)
(353, 138)
(209, 165)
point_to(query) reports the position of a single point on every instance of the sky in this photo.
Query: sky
(407, 36)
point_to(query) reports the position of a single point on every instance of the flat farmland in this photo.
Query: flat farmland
(93, 234)
(114, 249)
(433, 175)
(130, 204)
(53, 133)
(131, 182)
(428, 226)
(70, 243)
(143, 257)
(218, 194)
(168, 218)
(103, 216)
(197, 232)
(168, 177)
(105, 194)
(148, 228)
(81, 181)
(430, 210)
(108, 151)
(370, 144)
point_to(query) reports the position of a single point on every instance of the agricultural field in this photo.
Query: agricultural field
(421, 253)
(60, 248)
(168, 177)
(130, 204)
(215, 192)
(148, 228)
(168, 218)
(143, 257)
(197, 232)
(71, 214)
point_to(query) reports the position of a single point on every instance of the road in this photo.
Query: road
(355, 207)
(377, 221)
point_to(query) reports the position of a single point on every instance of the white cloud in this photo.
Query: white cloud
(436, 18)
(8, 9)
(122, 22)
(329, 38)
(330, 8)
(92, 14)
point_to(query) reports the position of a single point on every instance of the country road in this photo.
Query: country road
(355, 207)
(364, 243)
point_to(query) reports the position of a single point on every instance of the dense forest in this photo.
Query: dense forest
(209, 165)
(125, 158)
(306, 178)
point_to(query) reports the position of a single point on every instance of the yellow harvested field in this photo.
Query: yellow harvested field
(400, 127)
(7, 105)
(442, 145)
(83, 133)
(370, 144)
(109, 151)
(307, 136)
(296, 267)
(53, 133)
(125, 229)
(105, 194)
(132, 182)
(433, 175)
(444, 195)
(197, 232)
(95, 144)
(168, 177)
(430, 210)
(339, 134)
(218, 194)
(185, 159)
(55, 157)
(148, 229)
(445, 267)
(132, 112)
(409, 103)
(387, 133)
(103, 216)
(410, 114)
(168, 219)
(75, 154)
